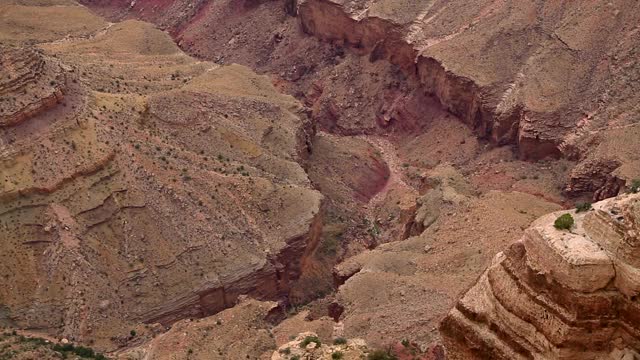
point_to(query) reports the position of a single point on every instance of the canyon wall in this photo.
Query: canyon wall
(524, 74)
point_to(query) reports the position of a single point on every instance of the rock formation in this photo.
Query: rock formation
(307, 346)
(516, 73)
(532, 75)
(139, 185)
(146, 181)
(557, 294)
(31, 83)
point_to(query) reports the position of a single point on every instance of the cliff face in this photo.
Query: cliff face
(529, 74)
(533, 75)
(557, 294)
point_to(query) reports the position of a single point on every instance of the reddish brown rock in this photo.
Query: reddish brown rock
(556, 294)
(31, 83)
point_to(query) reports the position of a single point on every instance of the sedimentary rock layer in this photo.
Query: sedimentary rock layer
(519, 73)
(159, 188)
(30, 84)
(557, 294)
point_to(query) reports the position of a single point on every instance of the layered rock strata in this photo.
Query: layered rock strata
(159, 188)
(30, 84)
(557, 294)
(517, 73)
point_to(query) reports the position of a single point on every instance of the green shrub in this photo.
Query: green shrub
(581, 207)
(337, 355)
(84, 352)
(405, 343)
(63, 347)
(295, 357)
(374, 230)
(339, 341)
(133, 333)
(635, 186)
(381, 355)
(564, 222)
(308, 340)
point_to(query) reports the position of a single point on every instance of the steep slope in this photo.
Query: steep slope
(158, 187)
(533, 74)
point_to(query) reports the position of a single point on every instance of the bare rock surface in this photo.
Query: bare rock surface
(31, 83)
(147, 181)
(307, 346)
(556, 294)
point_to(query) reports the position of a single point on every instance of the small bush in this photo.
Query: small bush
(381, 355)
(84, 352)
(635, 186)
(339, 341)
(63, 347)
(581, 207)
(405, 343)
(133, 333)
(564, 222)
(337, 355)
(308, 340)
(295, 357)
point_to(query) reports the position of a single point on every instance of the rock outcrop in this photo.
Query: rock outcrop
(307, 346)
(557, 294)
(532, 75)
(30, 84)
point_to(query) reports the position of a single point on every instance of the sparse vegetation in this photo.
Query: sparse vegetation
(582, 207)
(635, 186)
(564, 222)
(381, 355)
(339, 341)
(310, 339)
(405, 343)
(337, 355)
(81, 351)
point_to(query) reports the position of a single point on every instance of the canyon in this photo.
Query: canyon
(300, 179)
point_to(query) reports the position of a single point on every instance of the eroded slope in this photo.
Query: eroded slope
(157, 188)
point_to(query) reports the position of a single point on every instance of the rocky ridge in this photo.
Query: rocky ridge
(31, 83)
(158, 188)
(557, 294)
